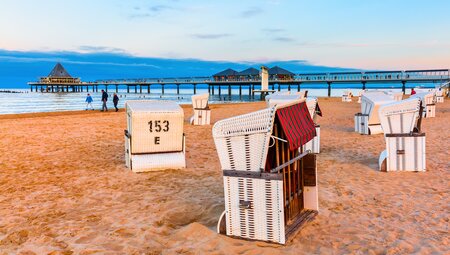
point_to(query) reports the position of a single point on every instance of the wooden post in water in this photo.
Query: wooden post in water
(178, 89)
(298, 87)
(404, 87)
(128, 88)
(195, 88)
(212, 87)
(279, 88)
(229, 91)
(148, 89)
(220, 91)
(329, 89)
(289, 87)
(364, 85)
(240, 90)
(135, 89)
(162, 89)
(140, 88)
(273, 86)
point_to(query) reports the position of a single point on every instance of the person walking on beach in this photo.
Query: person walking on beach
(116, 101)
(89, 102)
(104, 100)
(413, 92)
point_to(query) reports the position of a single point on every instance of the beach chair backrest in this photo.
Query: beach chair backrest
(398, 96)
(400, 117)
(282, 99)
(242, 142)
(370, 104)
(200, 101)
(311, 103)
(426, 97)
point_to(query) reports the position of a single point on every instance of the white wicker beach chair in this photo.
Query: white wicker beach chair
(405, 144)
(202, 113)
(367, 121)
(439, 93)
(347, 96)
(154, 137)
(256, 197)
(429, 102)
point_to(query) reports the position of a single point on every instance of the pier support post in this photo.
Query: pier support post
(81, 88)
(195, 88)
(364, 85)
(135, 89)
(212, 87)
(279, 87)
(249, 90)
(404, 87)
(209, 89)
(148, 89)
(128, 89)
(106, 88)
(329, 89)
(220, 91)
(289, 87)
(298, 87)
(162, 88)
(178, 89)
(273, 86)
(117, 88)
(140, 89)
(229, 91)
(240, 90)
(32, 88)
(253, 90)
(96, 88)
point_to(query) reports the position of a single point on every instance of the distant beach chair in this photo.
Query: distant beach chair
(439, 94)
(405, 144)
(360, 93)
(429, 102)
(202, 113)
(270, 187)
(367, 122)
(347, 96)
(154, 138)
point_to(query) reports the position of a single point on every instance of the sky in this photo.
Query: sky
(369, 34)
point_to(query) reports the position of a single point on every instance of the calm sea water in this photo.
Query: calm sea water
(28, 102)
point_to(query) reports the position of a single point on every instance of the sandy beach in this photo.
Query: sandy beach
(64, 189)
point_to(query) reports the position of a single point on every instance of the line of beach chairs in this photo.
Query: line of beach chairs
(269, 157)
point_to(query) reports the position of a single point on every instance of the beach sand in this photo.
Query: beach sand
(64, 189)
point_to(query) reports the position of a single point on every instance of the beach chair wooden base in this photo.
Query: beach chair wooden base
(430, 111)
(404, 152)
(439, 99)
(201, 117)
(147, 162)
(314, 144)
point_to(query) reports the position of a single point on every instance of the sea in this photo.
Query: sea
(25, 101)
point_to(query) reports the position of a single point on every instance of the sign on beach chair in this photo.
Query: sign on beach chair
(154, 137)
(405, 144)
(270, 186)
(202, 113)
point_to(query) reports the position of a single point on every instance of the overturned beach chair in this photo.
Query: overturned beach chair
(202, 113)
(154, 138)
(270, 187)
(428, 102)
(405, 144)
(347, 96)
(367, 122)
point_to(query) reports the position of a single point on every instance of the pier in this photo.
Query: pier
(245, 80)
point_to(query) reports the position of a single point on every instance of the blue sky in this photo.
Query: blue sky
(382, 34)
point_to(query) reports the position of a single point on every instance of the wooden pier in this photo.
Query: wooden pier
(295, 81)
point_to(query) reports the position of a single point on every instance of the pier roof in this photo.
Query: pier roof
(226, 72)
(249, 71)
(278, 70)
(59, 72)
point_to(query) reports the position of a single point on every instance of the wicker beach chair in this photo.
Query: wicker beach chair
(270, 187)
(347, 96)
(154, 138)
(367, 121)
(405, 144)
(429, 102)
(439, 93)
(202, 113)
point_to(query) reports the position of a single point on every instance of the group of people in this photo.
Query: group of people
(89, 101)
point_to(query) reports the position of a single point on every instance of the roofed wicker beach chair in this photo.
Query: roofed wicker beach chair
(347, 96)
(202, 113)
(367, 121)
(154, 138)
(405, 143)
(270, 184)
(429, 102)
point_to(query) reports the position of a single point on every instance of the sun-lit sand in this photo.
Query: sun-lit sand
(64, 189)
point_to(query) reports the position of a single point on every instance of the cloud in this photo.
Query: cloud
(283, 39)
(150, 11)
(98, 49)
(210, 36)
(252, 11)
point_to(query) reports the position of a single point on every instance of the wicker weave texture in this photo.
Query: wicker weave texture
(400, 117)
(155, 126)
(263, 218)
(405, 153)
(200, 101)
(242, 142)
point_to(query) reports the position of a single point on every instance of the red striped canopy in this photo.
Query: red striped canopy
(297, 124)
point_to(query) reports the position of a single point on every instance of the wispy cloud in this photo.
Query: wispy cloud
(150, 11)
(95, 49)
(210, 36)
(273, 30)
(283, 39)
(252, 11)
